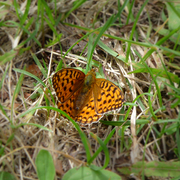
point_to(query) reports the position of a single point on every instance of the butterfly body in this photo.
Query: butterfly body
(84, 97)
(85, 92)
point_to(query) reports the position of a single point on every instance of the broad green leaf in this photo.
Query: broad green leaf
(87, 173)
(173, 15)
(6, 176)
(153, 168)
(45, 166)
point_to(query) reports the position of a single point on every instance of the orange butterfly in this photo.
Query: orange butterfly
(85, 98)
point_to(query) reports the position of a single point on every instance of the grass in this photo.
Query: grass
(128, 45)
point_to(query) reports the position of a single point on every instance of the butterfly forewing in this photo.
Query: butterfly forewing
(66, 82)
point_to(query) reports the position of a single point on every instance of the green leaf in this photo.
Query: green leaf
(87, 173)
(6, 176)
(45, 166)
(157, 169)
(174, 16)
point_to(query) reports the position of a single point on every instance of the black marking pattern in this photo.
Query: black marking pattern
(112, 97)
(67, 82)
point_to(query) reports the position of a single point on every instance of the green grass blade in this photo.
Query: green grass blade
(3, 77)
(29, 74)
(100, 148)
(39, 65)
(15, 94)
(160, 42)
(105, 149)
(150, 104)
(24, 17)
(6, 57)
(156, 84)
(178, 136)
(77, 4)
(134, 28)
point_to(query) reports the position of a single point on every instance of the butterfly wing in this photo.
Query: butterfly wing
(107, 96)
(68, 106)
(88, 113)
(66, 82)
(104, 97)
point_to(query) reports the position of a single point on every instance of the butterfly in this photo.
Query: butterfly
(85, 98)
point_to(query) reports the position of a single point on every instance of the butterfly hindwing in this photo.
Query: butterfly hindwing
(109, 96)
